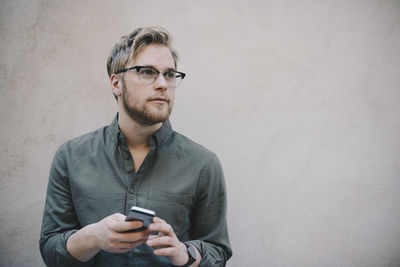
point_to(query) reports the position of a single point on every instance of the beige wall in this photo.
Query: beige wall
(300, 100)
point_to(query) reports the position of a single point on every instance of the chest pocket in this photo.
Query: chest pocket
(172, 207)
(94, 207)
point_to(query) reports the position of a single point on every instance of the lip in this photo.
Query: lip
(159, 100)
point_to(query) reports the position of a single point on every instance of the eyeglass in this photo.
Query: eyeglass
(149, 75)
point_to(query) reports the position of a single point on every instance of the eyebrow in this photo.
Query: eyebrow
(151, 66)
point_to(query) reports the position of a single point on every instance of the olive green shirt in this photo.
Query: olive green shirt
(93, 176)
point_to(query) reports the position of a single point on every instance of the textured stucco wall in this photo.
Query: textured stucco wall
(300, 100)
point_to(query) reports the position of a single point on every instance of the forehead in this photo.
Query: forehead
(158, 56)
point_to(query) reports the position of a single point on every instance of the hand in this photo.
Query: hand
(166, 243)
(108, 234)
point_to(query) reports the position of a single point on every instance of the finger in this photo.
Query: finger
(158, 220)
(118, 217)
(124, 247)
(117, 237)
(124, 238)
(126, 226)
(165, 251)
(163, 228)
(130, 244)
(150, 237)
(131, 237)
(161, 241)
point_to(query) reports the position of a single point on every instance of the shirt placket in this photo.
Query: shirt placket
(133, 178)
(128, 170)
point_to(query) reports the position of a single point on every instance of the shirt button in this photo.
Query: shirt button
(131, 191)
(127, 156)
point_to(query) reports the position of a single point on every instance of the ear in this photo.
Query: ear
(116, 84)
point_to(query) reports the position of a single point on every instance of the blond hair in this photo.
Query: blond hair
(130, 45)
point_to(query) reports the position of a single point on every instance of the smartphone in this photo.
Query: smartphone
(140, 214)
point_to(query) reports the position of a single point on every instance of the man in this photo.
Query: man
(138, 160)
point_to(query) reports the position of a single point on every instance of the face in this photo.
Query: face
(149, 104)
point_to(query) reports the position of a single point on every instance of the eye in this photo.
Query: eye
(148, 72)
(169, 75)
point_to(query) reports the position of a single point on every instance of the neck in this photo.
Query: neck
(135, 135)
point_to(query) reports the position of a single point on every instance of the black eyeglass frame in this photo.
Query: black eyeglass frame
(137, 68)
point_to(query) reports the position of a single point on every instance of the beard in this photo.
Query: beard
(146, 114)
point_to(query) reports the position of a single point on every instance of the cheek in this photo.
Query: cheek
(131, 99)
(171, 94)
(134, 95)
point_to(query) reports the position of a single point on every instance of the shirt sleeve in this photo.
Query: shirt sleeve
(209, 226)
(59, 217)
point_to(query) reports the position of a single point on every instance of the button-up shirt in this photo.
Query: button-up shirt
(93, 176)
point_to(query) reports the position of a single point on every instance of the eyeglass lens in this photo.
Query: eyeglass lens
(149, 75)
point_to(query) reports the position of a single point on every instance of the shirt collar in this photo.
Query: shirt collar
(114, 131)
(155, 140)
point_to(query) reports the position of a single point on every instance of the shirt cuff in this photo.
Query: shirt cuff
(207, 258)
(65, 258)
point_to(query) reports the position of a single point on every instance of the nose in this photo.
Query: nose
(161, 83)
